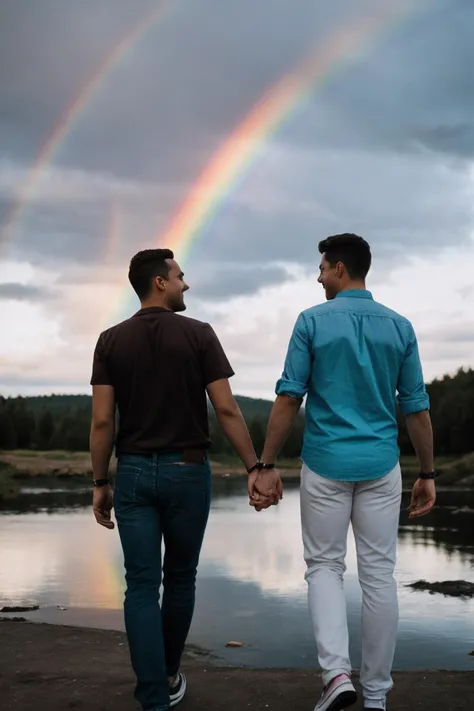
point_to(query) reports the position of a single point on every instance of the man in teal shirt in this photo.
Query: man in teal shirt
(354, 359)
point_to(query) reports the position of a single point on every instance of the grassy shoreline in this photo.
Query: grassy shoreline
(8, 485)
(31, 464)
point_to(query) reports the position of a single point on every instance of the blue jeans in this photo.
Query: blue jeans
(160, 498)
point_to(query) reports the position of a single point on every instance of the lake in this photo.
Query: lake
(250, 584)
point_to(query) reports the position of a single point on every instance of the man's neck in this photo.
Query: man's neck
(354, 285)
(153, 303)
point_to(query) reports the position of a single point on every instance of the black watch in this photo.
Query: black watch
(427, 475)
(261, 466)
(101, 482)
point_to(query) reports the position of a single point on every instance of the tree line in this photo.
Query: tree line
(62, 422)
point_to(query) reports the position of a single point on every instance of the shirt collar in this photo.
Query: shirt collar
(151, 309)
(355, 294)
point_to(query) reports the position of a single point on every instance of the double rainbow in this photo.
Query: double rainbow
(232, 161)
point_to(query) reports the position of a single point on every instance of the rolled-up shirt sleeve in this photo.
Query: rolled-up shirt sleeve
(297, 370)
(412, 396)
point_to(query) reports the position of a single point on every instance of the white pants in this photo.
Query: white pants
(373, 507)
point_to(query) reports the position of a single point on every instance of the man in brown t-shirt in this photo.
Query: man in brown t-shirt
(155, 370)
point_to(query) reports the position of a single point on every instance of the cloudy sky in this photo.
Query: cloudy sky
(95, 163)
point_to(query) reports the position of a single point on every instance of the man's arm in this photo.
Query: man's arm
(280, 424)
(101, 445)
(420, 432)
(414, 404)
(216, 372)
(102, 429)
(290, 390)
(231, 420)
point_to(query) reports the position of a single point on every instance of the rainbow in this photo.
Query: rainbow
(232, 161)
(72, 114)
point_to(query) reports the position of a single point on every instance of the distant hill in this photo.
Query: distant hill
(59, 404)
(62, 422)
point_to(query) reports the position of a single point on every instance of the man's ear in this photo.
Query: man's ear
(160, 283)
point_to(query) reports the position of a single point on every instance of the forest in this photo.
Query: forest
(61, 422)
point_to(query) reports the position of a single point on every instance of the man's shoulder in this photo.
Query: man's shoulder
(370, 307)
(383, 310)
(117, 328)
(189, 322)
(318, 309)
(192, 325)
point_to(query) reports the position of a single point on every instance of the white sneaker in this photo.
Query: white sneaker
(374, 705)
(339, 694)
(178, 690)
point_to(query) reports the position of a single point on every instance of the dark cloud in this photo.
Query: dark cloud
(414, 90)
(380, 147)
(220, 281)
(192, 77)
(24, 292)
(403, 205)
(168, 102)
(451, 139)
(211, 281)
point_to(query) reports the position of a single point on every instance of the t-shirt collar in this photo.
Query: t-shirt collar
(356, 294)
(151, 310)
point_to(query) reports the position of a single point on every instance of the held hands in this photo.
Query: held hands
(265, 488)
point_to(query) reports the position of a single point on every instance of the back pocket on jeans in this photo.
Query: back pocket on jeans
(126, 480)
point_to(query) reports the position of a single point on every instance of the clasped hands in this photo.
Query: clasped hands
(265, 488)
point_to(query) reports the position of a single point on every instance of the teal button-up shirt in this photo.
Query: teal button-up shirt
(353, 358)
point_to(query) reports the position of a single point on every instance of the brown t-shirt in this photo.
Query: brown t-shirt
(159, 364)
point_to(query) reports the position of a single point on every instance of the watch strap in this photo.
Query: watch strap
(101, 482)
(427, 475)
(253, 468)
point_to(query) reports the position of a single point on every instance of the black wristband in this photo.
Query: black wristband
(266, 466)
(252, 469)
(101, 482)
(427, 475)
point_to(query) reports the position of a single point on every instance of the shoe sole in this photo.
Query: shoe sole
(175, 701)
(343, 701)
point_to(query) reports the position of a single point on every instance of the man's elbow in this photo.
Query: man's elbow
(418, 415)
(226, 410)
(102, 424)
(289, 402)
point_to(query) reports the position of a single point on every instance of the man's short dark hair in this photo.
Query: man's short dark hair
(350, 249)
(145, 267)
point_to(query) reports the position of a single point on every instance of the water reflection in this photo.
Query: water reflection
(251, 580)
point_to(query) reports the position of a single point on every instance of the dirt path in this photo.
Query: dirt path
(50, 668)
